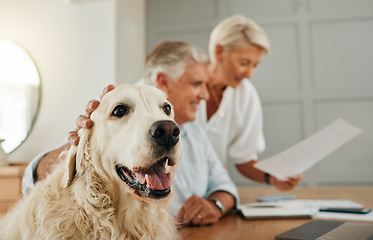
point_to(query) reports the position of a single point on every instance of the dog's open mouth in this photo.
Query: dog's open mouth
(155, 182)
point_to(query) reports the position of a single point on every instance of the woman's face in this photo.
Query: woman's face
(239, 63)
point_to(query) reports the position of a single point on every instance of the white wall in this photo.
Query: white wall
(79, 46)
(73, 44)
(130, 40)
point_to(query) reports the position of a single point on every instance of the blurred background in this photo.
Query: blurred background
(320, 68)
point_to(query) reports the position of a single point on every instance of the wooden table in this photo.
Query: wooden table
(10, 185)
(235, 227)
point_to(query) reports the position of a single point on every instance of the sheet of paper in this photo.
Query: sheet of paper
(305, 154)
(336, 216)
(321, 203)
(303, 207)
(304, 203)
(345, 216)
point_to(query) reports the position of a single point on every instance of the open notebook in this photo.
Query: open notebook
(330, 230)
(283, 209)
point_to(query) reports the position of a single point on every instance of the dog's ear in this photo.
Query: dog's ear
(69, 166)
(75, 158)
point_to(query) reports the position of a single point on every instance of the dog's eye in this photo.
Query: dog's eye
(120, 111)
(167, 109)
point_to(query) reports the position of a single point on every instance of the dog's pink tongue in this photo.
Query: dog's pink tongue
(157, 178)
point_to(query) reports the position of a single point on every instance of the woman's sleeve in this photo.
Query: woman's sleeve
(248, 139)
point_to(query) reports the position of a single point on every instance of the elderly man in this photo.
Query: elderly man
(204, 192)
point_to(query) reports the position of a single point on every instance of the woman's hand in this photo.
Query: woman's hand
(286, 185)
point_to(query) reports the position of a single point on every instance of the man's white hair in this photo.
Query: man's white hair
(236, 31)
(172, 58)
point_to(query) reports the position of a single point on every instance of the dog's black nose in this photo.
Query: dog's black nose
(165, 133)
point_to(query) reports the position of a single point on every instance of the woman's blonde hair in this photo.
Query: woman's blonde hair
(236, 31)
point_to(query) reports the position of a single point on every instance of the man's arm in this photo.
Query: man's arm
(227, 200)
(30, 174)
(83, 121)
(45, 164)
(42, 165)
(202, 210)
(249, 171)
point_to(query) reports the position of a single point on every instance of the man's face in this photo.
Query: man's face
(186, 93)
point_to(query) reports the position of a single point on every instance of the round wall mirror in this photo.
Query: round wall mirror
(19, 94)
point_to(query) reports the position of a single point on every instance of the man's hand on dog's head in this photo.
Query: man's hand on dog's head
(84, 121)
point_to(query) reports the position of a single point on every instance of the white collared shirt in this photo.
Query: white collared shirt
(236, 129)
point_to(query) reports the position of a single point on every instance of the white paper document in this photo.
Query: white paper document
(342, 203)
(345, 216)
(280, 209)
(299, 158)
(302, 208)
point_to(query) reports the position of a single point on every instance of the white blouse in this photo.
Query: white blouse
(236, 129)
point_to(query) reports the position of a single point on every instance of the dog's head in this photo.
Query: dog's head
(134, 140)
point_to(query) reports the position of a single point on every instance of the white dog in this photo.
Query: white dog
(115, 184)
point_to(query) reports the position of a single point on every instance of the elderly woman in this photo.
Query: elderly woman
(232, 116)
